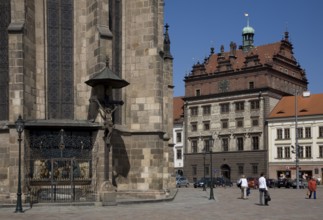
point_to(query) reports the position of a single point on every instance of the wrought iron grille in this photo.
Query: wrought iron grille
(4, 63)
(59, 166)
(60, 59)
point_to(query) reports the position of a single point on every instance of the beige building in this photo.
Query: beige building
(305, 113)
(92, 80)
(178, 134)
(227, 99)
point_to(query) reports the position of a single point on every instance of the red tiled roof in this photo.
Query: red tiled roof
(265, 54)
(311, 105)
(178, 104)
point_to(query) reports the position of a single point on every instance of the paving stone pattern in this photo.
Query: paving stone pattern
(189, 203)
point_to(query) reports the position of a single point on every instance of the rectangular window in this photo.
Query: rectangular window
(254, 169)
(255, 121)
(287, 152)
(300, 132)
(308, 132)
(197, 92)
(225, 123)
(179, 154)
(308, 151)
(225, 108)
(320, 131)
(254, 104)
(206, 125)
(239, 106)
(251, 85)
(279, 152)
(239, 122)
(240, 143)
(207, 144)
(255, 143)
(321, 151)
(193, 126)
(225, 144)
(178, 137)
(194, 111)
(194, 170)
(206, 110)
(279, 134)
(207, 169)
(240, 169)
(287, 133)
(300, 151)
(194, 146)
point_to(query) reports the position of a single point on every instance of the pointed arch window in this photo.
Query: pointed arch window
(60, 59)
(4, 59)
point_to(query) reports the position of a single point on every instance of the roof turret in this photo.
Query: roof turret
(247, 36)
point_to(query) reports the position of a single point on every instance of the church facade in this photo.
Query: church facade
(92, 80)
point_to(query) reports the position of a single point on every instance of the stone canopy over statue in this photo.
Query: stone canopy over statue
(101, 101)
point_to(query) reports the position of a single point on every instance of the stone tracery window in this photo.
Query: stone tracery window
(60, 59)
(4, 62)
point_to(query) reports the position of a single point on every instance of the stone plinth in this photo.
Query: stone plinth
(108, 198)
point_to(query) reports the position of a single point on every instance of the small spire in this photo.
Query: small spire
(166, 26)
(247, 15)
(167, 43)
(286, 35)
(166, 39)
(212, 50)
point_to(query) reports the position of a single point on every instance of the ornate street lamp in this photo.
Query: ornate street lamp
(296, 144)
(204, 181)
(20, 125)
(211, 188)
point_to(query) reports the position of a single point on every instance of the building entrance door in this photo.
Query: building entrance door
(226, 171)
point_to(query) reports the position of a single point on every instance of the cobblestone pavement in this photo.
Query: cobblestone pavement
(189, 203)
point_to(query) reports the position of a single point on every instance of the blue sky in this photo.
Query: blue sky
(197, 25)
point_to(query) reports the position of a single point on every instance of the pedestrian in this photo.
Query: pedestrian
(262, 189)
(248, 191)
(243, 186)
(312, 188)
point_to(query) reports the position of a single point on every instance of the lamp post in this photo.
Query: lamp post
(204, 182)
(211, 187)
(20, 124)
(296, 144)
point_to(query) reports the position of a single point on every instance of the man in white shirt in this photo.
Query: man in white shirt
(262, 188)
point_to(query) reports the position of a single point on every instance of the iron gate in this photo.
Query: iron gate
(59, 166)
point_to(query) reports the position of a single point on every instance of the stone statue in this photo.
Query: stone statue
(222, 49)
(106, 113)
(102, 103)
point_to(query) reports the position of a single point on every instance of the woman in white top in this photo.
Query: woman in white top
(243, 186)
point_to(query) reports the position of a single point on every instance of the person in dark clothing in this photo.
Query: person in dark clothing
(267, 197)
